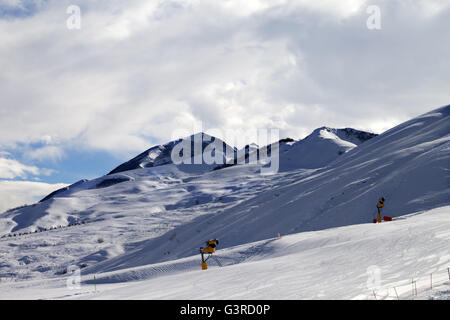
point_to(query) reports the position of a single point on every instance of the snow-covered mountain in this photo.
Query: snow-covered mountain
(318, 149)
(161, 154)
(408, 165)
(331, 155)
(321, 147)
(156, 212)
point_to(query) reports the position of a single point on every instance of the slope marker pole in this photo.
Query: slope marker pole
(415, 286)
(396, 293)
(431, 281)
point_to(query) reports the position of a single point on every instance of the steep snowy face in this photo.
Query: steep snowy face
(351, 135)
(348, 137)
(161, 154)
(321, 147)
(317, 150)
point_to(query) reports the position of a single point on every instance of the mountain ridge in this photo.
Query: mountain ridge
(159, 155)
(162, 213)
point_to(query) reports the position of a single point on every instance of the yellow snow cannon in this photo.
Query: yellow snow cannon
(211, 246)
(209, 250)
(380, 205)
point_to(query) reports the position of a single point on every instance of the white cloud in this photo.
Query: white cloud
(432, 7)
(10, 169)
(17, 193)
(52, 153)
(137, 70)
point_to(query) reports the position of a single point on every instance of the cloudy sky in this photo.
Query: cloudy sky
(76, 102)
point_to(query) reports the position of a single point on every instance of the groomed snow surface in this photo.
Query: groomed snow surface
(365, 261)
(142, 228)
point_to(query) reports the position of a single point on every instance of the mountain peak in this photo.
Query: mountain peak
(321, 147)
(348, 134)
(161, 154)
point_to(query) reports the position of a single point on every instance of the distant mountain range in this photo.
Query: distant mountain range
(335, 142)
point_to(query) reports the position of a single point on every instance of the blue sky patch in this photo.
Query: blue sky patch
(23, 9)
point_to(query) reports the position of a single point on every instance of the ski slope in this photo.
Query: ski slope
(408, 166)
(147, 224)
(329, 264)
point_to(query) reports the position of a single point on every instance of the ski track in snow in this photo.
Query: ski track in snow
(146, 225)
(327, 264)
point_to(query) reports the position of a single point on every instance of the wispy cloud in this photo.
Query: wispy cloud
(10, 169)
(46, 153)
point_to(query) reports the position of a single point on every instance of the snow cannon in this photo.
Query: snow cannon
(211, 246)
(380, 205)
(208, 251)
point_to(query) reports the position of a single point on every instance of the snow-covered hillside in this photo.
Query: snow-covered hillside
(366, 261)
(408, 165)
(161, 213)
(317, 150)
